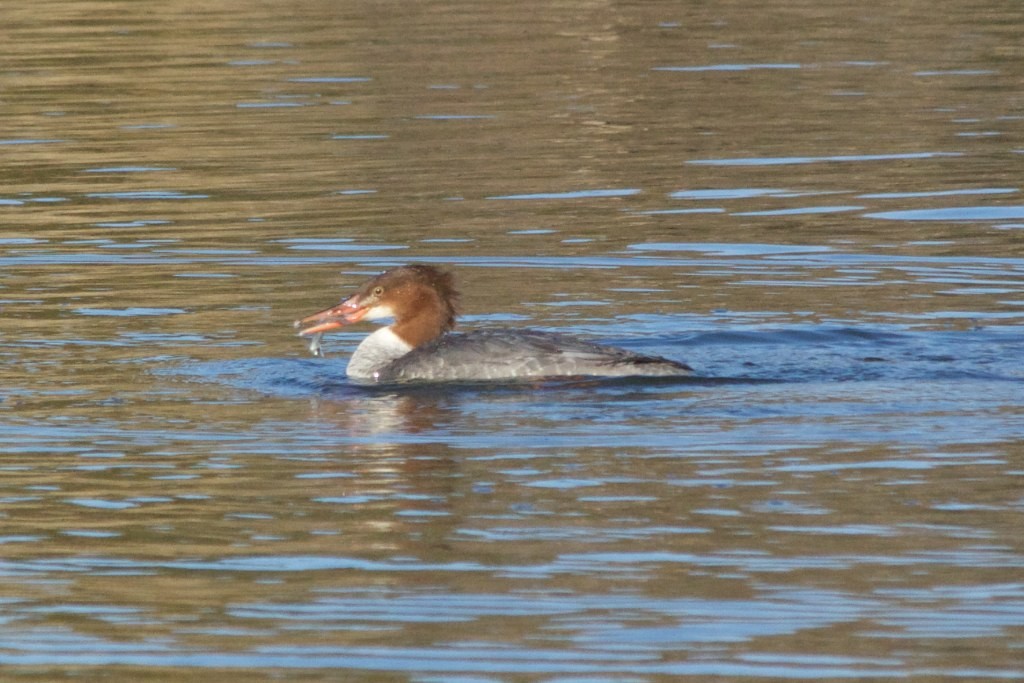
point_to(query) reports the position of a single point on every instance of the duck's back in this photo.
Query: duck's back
(508, 354)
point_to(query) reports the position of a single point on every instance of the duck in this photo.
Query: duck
(420, 302)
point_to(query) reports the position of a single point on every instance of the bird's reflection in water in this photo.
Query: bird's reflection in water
(396, 415)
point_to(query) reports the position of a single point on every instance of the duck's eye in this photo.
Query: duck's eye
(377, 291)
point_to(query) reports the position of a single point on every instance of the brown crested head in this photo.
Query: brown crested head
(423, 298)
(420, 298)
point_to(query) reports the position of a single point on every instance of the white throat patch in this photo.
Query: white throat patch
(381, 312)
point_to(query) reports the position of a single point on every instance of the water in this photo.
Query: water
(818, 207)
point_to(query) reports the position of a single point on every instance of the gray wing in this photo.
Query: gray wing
(522, 354)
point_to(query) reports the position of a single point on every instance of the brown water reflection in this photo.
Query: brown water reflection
(817, 206)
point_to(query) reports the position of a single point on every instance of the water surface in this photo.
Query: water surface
(817, 207)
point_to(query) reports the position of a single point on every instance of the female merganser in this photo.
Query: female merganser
(419, 345)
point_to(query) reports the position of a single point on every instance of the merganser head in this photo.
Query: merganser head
(420, 298)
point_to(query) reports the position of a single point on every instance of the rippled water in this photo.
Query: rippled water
(817, 207)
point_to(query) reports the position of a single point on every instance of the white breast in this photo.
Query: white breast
(376, 351)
